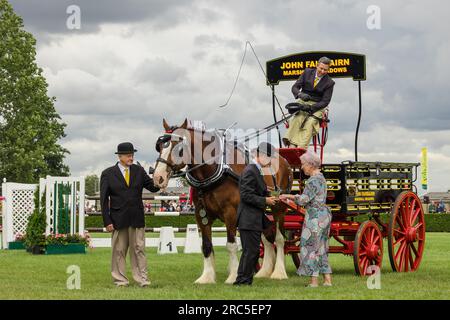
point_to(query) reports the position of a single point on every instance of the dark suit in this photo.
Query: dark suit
(251, 220)
(121, 204)
(321, 94)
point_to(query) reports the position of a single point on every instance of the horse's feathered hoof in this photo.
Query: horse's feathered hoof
(279, 275)
(275, 276)
(231, 279)
(206, 279)
(263, 274)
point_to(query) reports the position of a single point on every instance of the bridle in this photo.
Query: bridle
(165, 139)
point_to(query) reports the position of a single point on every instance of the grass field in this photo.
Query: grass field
(24, 276)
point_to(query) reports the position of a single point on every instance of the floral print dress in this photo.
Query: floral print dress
(316, 228)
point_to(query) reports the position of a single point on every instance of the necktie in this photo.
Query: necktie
(127, 177)
(316, 80)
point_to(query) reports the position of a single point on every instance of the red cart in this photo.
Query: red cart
(369, 201)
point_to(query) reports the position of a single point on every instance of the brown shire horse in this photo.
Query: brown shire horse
(187, 148)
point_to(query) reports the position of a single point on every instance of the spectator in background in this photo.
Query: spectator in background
(441, 206)
(432, 207)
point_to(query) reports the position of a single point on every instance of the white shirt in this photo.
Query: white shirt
(122, 169)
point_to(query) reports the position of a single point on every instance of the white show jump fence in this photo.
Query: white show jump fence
(18, 205)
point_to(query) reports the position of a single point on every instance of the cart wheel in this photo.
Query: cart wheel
(406, 236)
(368, 247)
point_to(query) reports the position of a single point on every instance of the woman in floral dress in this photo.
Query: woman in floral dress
(316, 226)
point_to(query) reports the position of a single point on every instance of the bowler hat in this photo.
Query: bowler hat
(125, 148)
(266, 148)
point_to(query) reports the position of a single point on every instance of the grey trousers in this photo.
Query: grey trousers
(132, 239)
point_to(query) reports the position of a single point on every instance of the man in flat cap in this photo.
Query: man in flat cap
(251, 218)
(123, 214)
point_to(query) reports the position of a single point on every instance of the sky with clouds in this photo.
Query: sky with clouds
(135, 62)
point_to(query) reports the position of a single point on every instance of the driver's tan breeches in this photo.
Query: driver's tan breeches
(302, 137)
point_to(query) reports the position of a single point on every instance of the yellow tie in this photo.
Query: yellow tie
(316, 80)
(127, 177)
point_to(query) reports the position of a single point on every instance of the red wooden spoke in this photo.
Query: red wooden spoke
(414, 203)
(417, 226)
(364, 240)
(400, 222)
(401, 216)
(400, 249)
(401, 258)
(406, 258)
(362, 263)
(372, 236)
(377, 238)
(399, 240)
(401, 232)
(366, 265)
(414, 216)
(405, 215)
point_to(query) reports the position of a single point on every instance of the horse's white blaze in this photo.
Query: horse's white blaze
(209, 271)
(268, 260)
(161, 169)
(233, 263)
(279, 271)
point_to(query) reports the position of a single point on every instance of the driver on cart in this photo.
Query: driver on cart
(313, 90)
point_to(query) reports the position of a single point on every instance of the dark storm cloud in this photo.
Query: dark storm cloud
(49, 16)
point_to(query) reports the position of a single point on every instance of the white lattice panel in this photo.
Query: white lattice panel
(19, 205)
(22, 207)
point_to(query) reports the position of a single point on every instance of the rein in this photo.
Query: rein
(259, 132)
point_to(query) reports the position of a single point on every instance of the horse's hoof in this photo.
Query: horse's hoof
(231, 279)
(262, 274)
(205, 280)
(279, 275)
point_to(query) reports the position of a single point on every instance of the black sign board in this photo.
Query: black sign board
(343, 65)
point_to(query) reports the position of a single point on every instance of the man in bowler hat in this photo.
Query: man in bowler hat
(123, 214)
(251, 218)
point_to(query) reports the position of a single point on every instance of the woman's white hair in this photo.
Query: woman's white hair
(311, 159)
